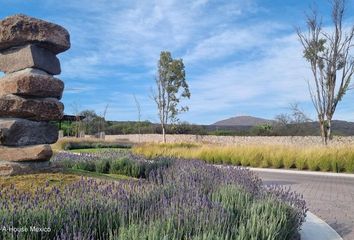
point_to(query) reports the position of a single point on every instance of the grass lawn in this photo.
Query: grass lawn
(97, 150)
(83, 173)
(31, 182)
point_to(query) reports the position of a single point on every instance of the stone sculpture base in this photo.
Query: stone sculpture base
(29, 93)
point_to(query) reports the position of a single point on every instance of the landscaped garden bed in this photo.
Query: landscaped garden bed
(89, 143)
(325, 158)
(167, 199)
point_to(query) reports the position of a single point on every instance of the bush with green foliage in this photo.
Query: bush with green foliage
(110, 162)
(90, 144)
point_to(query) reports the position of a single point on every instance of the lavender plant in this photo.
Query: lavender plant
(114, 162)
(179, 200)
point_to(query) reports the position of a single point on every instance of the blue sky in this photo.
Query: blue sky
(242, 57)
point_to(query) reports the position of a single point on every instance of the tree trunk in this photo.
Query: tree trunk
(329, 129)
(323, 132)
(326, 131)
(163, 134)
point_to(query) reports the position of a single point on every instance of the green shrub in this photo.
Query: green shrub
(277, 160)
(232, 198)
(103, 166)
(257, 219)
(301, 163)
(179, 145)
(91, 144)
(207, 156)
(325, 163)
(148, 167)
(256, 159)
(267, 220)
(85, 165)
(313, 164)
(288, 161)
(235, 159)
(349, 166)
(125, 166)
(265, 163)
(245, 161)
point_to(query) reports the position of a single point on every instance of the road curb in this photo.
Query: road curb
(314, 228)
(325, 174)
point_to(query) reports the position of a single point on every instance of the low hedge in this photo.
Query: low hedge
(85, 145)
(80, 143)
(123, 166)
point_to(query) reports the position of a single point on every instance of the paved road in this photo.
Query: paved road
(330, 198)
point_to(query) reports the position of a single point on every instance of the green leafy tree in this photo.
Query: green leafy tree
(332, 65)
(262, 130)
(92, 123)
(171, 87)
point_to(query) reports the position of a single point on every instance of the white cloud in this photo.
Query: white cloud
(108, 33)
(233, 66)
(232, 40)
(274, 80)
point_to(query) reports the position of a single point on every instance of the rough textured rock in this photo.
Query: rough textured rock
(17, 168)
(21, 132)
(20, 29)
(29, 56)
(29, 94)
(45, 109)
(25, 154)
(31, 82)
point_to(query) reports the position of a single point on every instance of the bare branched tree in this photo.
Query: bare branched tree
(293, 123)
(103, 119)
(78, 125)
(332, 64)
(298, 115)
(138, 108)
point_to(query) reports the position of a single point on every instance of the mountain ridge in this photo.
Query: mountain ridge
(243, 121)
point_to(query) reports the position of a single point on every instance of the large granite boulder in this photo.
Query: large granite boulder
(26, 153)
(18, 30)
(31, 83)
(17, 168)
(29, 94)
(38, 109)
(29, 56)
(21, 132)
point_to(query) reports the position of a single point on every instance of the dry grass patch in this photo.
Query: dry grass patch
(319, 158)
(31, 182)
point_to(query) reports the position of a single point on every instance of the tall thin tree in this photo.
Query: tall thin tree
(138, 108)
(171, 87)
(332, 65)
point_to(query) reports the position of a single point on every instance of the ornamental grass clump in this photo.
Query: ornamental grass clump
(176, 201)
(316, 158)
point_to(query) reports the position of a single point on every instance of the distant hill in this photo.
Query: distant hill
(339, 127)
(243, 121)
(242, 126)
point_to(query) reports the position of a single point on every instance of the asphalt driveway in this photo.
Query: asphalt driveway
(329, 197)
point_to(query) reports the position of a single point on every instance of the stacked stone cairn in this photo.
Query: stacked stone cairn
(29, 94)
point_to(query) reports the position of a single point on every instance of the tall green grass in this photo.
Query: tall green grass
(319, 158)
